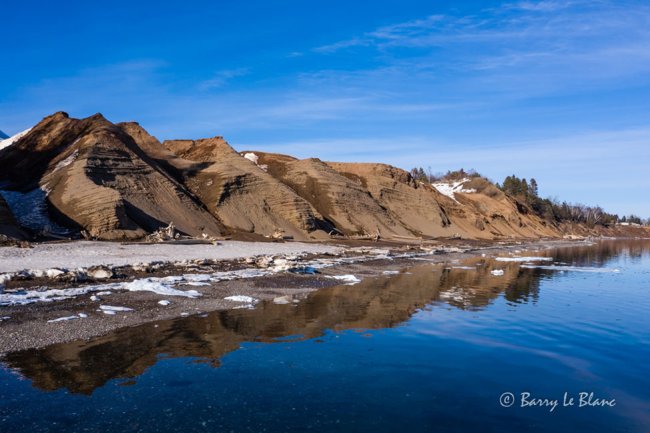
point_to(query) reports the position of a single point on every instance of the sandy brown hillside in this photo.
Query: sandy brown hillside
(344, 202)
(489, 213)
(233, 189)
(92, 176)
(242, 195)
(111, 181)
(358, 198)
(418, 207)
(363, 197)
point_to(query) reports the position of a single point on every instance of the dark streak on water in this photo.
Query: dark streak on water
(431, 349)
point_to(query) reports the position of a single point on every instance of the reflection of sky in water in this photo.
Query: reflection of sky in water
(430, 350)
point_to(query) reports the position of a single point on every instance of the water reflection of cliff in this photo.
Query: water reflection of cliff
(375, 303)
(603, 252)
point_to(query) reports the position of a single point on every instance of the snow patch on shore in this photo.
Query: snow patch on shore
(283, 300)
(25, 297)
(169, 286)
(349, 279)
(154, 285)
(111, 310)
(497, 272)
(158, 286)
(241, 298)
(524, 259)
(65, 319)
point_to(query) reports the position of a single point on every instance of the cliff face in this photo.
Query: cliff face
(116, 181)
(241, 194)
(90, 175)
(364, 197)
(483, 211)
(343, 201)
(417, 207)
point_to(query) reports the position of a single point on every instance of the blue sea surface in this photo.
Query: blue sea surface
(432, 349)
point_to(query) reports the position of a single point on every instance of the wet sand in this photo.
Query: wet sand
(29, 326)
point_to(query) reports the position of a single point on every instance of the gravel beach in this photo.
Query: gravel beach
(191, 280)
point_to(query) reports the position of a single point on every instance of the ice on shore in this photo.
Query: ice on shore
(164, 302)
(53, 273)
(156, 285)
(348, 279)
(497, 272)
(30, 296)
(241, 298)
(283, 300)
(169, 286)
(64, 319)
(247, 302)
(524, 259)
(114, 309)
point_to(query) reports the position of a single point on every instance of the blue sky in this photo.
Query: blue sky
(558, 90)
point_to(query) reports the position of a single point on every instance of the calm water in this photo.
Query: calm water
(431, 350)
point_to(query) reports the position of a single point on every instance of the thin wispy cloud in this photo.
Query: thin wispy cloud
(446, 85)
(221, 78)
(516, 33)
(542, 6)
(520, 50)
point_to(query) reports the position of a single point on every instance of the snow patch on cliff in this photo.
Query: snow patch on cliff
(11, 140)
(449, 189)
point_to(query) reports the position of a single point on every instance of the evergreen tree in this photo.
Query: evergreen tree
(533, 187)
(524, 188)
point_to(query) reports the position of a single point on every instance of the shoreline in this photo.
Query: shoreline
(284, 275)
